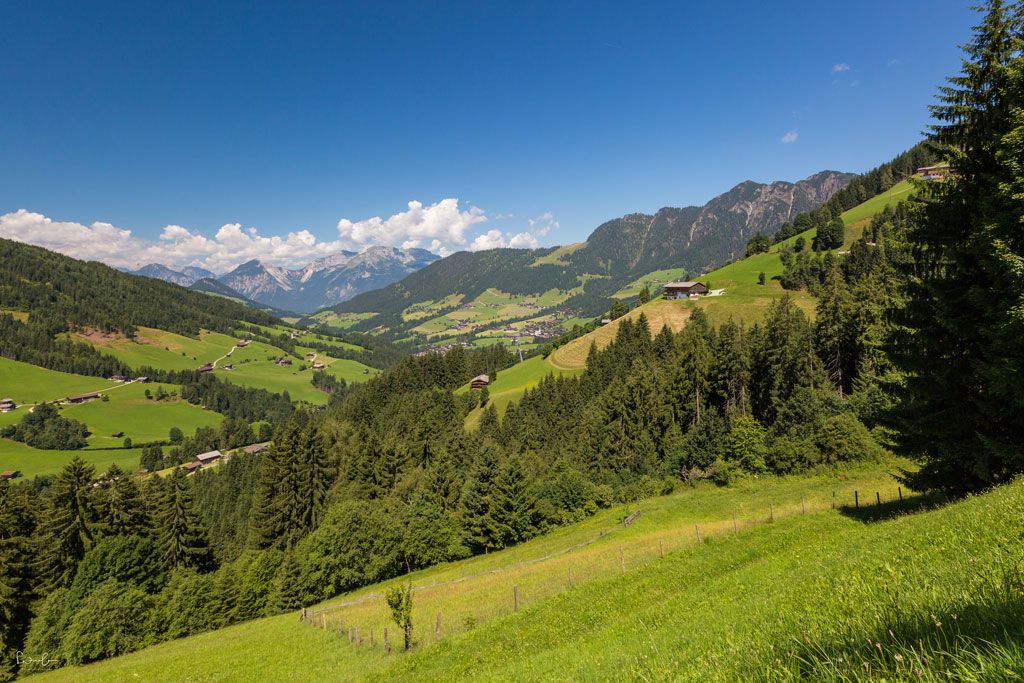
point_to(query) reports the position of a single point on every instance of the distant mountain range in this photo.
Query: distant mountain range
(696, 238)
(324, 282)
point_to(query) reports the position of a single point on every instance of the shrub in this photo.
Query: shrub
(113, 620)
(843, 437)
(746, 444)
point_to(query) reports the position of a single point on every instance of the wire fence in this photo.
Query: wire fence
(458, 605)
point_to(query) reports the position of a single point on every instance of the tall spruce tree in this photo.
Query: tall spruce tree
(963, 341)
(181, 538)
(69, 525)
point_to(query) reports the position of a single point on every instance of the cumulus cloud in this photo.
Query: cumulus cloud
(789, 138)
(442, 227)
(840, 68)
(443, 222)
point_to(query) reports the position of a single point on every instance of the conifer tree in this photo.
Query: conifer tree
(68, 524)
(120, 508)
(15, 576)
(512, 504)
(964, 346)
(181, 539)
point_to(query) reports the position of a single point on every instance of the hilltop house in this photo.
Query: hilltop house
(318, 366)
(242, 343)
(937, 172)
(10, 474)
(83, 398)
(206, 367)
(7, 405)
(479, 382)
(684, 290)
(284, 361)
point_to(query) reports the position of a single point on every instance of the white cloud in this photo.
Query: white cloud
(442, 221)
(840, 68)
(492, 239)
(441, 227)
(790, 137)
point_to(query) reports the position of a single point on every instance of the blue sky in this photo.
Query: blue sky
(290, 117)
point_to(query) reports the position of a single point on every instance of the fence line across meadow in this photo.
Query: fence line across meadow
(493, 593)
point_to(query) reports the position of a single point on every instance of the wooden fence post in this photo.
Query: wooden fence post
(341, 628)
(697, 527)
(900, 489)
(437, 627)
(350, 635)
(734, 529)
(771, 512)
(833, 500)
(803, 507)
(515, 598)
(371, 637)
(387, 646)
(570, 576)
(661, 547)
(856, 500)
(302, 617)
(622, 559)
(878, 498)
(359, 641)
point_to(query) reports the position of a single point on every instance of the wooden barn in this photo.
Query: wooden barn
(209, 457)
(206, 367)
(84, 398)
(479, 382)
(7, 405)
(684, 290)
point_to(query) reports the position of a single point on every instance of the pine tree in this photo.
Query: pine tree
(69, 525)
(181, 539)
(512, 504)
(120, 508)
(964, 346)
(475, 503)
(15, 575)
(832, 330)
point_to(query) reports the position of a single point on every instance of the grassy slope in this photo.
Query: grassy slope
(513, 381)
(820, 590)
(29, 384)
(127, 411)
(744, 299)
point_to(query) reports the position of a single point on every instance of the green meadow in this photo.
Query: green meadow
(126, 410)
(30, 384)
(165, 350)
(31, 462)
(141, 419)
(512, 382)
(780, 586)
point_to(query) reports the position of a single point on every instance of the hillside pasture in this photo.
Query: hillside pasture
(31, 384)
(512, 382)
(32, 462)
(129, 411)
(788, 581)
(573, 355)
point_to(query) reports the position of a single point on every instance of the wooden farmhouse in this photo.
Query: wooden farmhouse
(83, 398)
(685, 290)
(479, 382)
(10, 474)
(938, 172)
(257, 448)
(7, 405)
(206, 367)
(209, 457)
(318, 366)
(191, 467)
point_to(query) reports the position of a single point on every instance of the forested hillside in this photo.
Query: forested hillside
(63, 293)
